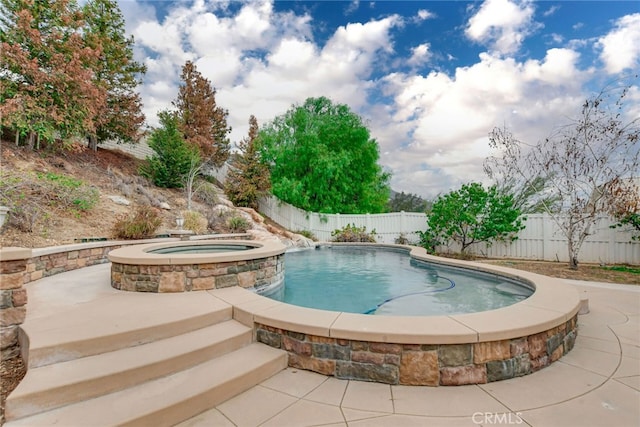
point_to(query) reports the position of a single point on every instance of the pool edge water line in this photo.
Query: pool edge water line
(472, 348)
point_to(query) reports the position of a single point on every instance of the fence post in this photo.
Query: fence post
(546, 237)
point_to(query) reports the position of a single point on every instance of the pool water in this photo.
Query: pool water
(200, 249)
(388, 282)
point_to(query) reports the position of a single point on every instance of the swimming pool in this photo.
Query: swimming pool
(388, 282)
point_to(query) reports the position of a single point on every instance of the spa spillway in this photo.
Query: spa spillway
(197, 265)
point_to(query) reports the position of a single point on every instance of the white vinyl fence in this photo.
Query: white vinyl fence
(387, 227)
(540, 240)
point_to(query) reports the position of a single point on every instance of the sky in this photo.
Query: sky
(430, 79)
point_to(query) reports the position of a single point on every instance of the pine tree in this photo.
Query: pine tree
(173, 157)
(203, 122)
(47, 69)
(248, 177)
(117, 72)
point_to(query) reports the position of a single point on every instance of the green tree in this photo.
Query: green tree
(116, 71)
(407, 202)
(47, 71)
(173, 158)
(202, 121)
(248, 177)
(473, 215)
(322, 159)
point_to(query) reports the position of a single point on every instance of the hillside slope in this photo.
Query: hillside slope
(114, 174)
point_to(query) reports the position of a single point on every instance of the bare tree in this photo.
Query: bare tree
(583, 163)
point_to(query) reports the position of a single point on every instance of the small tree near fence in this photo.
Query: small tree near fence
(583, 163)
(472, 215)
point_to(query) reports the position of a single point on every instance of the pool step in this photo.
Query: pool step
(118, 322)
(59, 384)
(171, 399)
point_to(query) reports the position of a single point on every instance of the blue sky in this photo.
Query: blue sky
(431, 78)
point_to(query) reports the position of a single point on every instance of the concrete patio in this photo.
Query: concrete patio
(596, 384)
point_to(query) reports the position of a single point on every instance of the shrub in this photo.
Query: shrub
(140, 224)
(172, 157)
(429, 241)
(195, 222)
(238, 224)
(401, 239)
(206, 193)
(351, 233)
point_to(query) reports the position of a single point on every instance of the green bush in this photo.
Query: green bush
(238, 224)
(140, 224)
(173, 157)
(351, 233)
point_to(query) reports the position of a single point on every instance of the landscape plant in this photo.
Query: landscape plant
(352, 233)
(248, 177)
(202, 122)
(173, 158)
(116, 72)
(583, 163)
(472, 215)
(142, 223)
(68, 73)
(194, 221)
(322, 159)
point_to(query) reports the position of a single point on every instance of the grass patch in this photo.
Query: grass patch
(623, 268)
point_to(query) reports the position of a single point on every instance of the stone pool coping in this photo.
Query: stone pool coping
(553, 303)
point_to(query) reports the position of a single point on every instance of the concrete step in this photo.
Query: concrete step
(172, 399)
(115, 322)
(52, 386)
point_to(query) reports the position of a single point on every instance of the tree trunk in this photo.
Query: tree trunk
(31, 141)
(92, 142)
(17, 138)
(573, 259)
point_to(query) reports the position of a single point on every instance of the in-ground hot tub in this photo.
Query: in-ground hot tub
(197, 265)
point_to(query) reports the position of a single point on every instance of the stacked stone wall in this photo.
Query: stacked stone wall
(60, 262)
(422, 364)
(257, 273)
(13, 302)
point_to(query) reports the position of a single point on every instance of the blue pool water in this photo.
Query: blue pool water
(387, 282)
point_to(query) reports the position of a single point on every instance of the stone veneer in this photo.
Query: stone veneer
(196, 277)
(422, 364)
(13, 298)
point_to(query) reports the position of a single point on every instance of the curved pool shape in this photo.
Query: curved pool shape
(197, 265)
(439, 350)
(389, 282)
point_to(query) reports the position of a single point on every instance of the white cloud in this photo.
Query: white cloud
(447, 118)
(420, 54)
(553, 9)
(502, 24)
(424, 14)
(621, 47)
